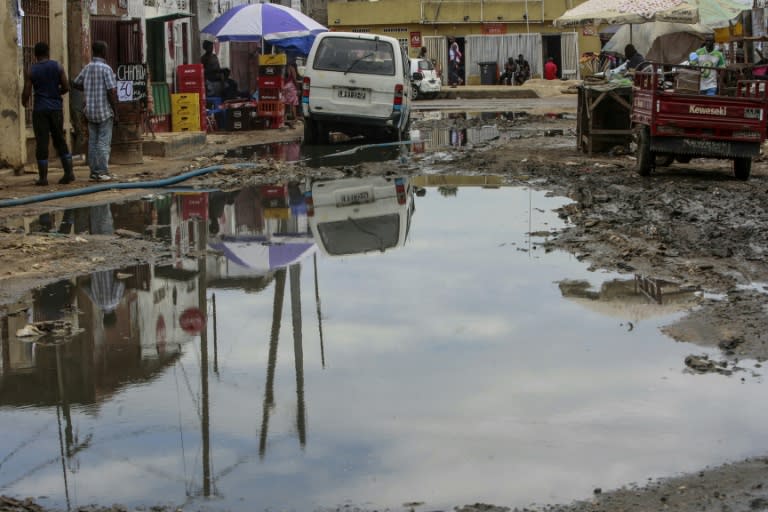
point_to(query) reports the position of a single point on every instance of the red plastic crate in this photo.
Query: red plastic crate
(270, 108)
(270, 81)
(269, 93)
(189, 71)
(191, 85)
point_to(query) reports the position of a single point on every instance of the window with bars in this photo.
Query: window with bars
(361, 30)
(395, 29)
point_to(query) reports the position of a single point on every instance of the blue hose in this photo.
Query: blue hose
(119, 186)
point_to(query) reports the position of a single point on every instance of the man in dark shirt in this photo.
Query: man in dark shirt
(49, 81)
(634, 58)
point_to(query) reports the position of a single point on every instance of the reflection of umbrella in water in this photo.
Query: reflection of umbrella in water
(264, 255)
(629, 299)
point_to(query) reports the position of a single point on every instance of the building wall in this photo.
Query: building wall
(453, 17)
(12, 151)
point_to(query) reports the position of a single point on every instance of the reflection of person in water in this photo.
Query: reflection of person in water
(106, 292)
(216, 203)
(101, 220)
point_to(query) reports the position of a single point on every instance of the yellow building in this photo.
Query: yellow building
(487, 31)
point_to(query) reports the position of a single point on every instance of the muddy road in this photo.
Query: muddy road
(694, 225)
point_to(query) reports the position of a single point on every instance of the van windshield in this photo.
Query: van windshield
(354, 236)
(352, 55)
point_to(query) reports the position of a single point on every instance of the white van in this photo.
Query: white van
(358, 84)
(360, 215)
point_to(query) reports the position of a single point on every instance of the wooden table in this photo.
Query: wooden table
(603, 118)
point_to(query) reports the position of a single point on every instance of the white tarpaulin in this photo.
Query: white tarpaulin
(643, 36)
(711, 13)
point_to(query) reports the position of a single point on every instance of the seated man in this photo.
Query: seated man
(523, 70)
(635, 59)
(229, 90)
(508, 76)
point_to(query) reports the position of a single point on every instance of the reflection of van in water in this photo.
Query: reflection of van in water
(359, 215)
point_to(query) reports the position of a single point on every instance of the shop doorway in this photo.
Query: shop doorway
(551, 47)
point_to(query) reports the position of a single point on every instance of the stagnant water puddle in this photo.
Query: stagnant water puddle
(432, 135)
(270, 363)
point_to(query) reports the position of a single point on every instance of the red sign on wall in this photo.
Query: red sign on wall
(494, 28)
(192, 321)
(415, 39)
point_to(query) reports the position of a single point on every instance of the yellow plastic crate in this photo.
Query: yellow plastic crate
(279, 59)
(185, 125)
(191, 99)
(186, 110)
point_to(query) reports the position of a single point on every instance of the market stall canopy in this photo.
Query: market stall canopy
(659, 41)
(274, 23)
(710, 13)
(630, 11)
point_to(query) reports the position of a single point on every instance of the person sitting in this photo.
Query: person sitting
(229, 89)
(508, 76)
(634, 58)
(523, 70)
(550, 69)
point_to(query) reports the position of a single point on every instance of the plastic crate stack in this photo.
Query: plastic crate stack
(190, 79)
(185, 112)
(271, 72)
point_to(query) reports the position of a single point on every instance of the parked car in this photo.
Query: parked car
(360, 215)
(358, 84)
(425, 82)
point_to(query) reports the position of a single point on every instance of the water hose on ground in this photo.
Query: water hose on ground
(120, 186)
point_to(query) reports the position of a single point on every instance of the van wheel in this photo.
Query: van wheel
(645, 159)
(310, 132)
(742, 168)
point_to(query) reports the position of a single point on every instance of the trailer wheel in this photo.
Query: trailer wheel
(645, 160)
(684, 159)
(742, 168)
(664, 160)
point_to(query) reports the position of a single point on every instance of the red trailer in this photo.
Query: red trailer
(676, 123)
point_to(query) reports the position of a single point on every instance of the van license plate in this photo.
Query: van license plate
(354, 198)
(355, 94)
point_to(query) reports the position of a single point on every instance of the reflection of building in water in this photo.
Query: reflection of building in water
(256, 231)
(442, 180)
(633, 299)
(131, 342)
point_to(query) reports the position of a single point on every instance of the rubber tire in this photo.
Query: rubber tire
(742, 168)
(645, 159)
(414, 92)
(310, 132)
(684, 159)
(664, 160)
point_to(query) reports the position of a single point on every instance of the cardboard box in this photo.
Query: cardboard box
(687, 81)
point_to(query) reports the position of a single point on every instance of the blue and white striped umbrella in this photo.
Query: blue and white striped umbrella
(274, 23)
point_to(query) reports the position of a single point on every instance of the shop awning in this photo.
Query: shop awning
(172, 16)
